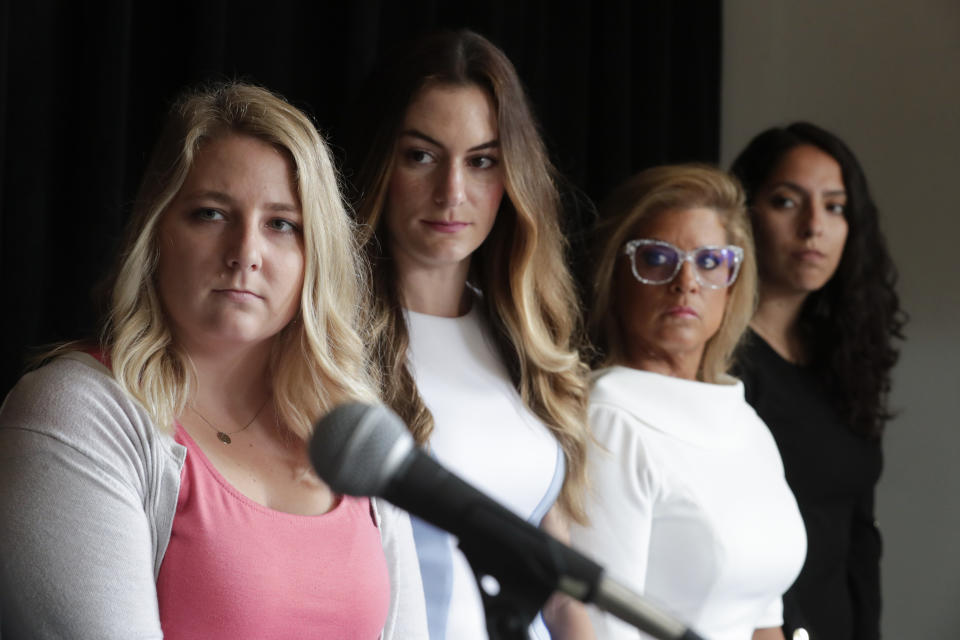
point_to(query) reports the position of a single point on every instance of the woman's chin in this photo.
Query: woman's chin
(681, 339)
(234, 335)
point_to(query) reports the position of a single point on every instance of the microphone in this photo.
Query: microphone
(366, 450)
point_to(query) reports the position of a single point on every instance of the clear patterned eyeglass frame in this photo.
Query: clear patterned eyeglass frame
(630, 250)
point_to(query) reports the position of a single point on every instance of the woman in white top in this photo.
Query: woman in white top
(688, 501)
(475, 313)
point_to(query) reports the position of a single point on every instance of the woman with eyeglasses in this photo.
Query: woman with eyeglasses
(817, 361)
(689, 504)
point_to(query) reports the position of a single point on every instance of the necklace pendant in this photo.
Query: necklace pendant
(224, 438)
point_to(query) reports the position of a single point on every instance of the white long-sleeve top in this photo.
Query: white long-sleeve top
(689, 504)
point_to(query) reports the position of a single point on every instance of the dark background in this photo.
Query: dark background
(617, 85)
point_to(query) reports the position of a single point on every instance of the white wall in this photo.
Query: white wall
(885, 76)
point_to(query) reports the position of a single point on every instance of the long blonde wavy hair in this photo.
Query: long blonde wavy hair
(318, 360)
(648, 194)
(529, 299)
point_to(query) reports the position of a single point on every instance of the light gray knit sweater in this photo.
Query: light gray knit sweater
(88, 491)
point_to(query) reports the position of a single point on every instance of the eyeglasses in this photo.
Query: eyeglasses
(658, 262)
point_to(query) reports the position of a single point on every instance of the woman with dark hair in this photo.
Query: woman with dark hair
(156, 483)
(475, 318)
(817, 362)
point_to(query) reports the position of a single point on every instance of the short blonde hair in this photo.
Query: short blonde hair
(318, 359)
(645, 195)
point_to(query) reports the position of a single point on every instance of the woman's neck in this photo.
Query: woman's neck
(435, 291)
(681, 364)
(232, 381)
(777, 321)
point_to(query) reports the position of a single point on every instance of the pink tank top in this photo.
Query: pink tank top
(236, 569)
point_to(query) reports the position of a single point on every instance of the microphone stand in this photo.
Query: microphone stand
(511, 608)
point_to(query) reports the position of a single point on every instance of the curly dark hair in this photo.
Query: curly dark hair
(850, 324)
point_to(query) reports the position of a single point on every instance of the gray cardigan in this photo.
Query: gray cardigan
(88, 491)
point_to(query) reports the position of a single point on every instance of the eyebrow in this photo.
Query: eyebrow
(799, 189)
(220, 196)
(414, 133)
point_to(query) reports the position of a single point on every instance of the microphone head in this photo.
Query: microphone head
(358, 448)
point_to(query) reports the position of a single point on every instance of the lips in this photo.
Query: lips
(444, 226)
(682, 312)
(809, 255)
(240, 295)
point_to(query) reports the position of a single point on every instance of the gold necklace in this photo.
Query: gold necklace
(223, 436)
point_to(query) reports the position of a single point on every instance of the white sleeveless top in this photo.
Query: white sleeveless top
(486, 435)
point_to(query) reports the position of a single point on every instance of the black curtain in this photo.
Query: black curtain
(618, 85)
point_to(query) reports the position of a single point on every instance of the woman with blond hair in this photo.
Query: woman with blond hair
(156, 483)
(474, 321)
(688, 503)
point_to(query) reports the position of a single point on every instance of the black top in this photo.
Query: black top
(833, 473)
